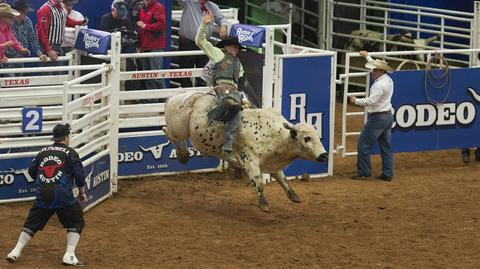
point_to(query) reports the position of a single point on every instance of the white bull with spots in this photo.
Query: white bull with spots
(264, 143)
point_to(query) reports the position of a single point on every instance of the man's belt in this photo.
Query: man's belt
(380, 112)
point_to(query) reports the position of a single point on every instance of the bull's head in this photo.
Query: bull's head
(308, 142)
(420, 44)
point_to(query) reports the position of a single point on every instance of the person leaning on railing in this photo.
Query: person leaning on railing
(152, 28)
(68, 44)
(51, 21)
(23, 30)
(192, 16)
(7, 39)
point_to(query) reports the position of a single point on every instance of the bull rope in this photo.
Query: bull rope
(437, 82)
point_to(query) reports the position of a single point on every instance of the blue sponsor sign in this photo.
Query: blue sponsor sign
(248, 35)
(97, 180)
(420, 125)
(32, 118)
(93, 41)
(306, 97)
(155, 154)
(15, 183)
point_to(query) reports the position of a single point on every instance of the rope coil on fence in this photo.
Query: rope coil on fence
(437, 81)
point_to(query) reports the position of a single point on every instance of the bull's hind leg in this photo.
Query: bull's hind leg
(182, 151)
(282, 180)
(254, 174)
(180, 147)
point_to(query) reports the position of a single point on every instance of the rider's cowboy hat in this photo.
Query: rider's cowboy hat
(5, 9)
(233, 41)
(378, 64)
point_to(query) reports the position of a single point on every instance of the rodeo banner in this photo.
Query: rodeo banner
(93, 41)
(436, 118)
(156, 155)
(248, 35)
(306, 97)
(16, 183)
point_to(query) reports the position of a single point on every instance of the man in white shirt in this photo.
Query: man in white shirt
(380, 119)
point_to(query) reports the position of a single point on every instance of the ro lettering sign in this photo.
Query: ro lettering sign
(298, 111)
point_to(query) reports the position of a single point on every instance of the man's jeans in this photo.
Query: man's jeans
(154, 63)
(378, 128)
(232, 125)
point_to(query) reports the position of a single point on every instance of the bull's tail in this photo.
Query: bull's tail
(180, 147)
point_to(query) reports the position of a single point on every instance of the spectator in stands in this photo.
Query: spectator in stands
(7, 39)
(73, 14)
(466, 155)
(152, 25)
(51, 22)
(193, 12)
(118, 20)
(68, 42)
(23, 30)
(136, 6)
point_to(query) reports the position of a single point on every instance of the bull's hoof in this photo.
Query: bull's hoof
(264, 205)
(293, 196)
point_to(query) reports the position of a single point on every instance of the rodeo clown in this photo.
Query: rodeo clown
(228, 81)
(55, 170)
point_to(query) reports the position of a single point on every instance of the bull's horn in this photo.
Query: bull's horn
(431, 39)
(289, 126)
(406, 40)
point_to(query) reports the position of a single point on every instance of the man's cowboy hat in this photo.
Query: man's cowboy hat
(378, 64)
(23, 5)
(233, 41)
(6, 9)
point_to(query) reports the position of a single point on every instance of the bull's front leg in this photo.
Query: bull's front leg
(282, 180)
(253, 171)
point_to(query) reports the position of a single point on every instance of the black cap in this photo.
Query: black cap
(23, 5)
(60, 131)
(233, 41)
(73, 2)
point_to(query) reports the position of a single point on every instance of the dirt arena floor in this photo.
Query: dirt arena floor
(428, 217)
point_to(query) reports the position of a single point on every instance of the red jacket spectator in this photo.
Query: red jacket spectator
(51, 32)
(152, 35)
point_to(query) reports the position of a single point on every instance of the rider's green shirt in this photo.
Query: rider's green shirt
(215, 54)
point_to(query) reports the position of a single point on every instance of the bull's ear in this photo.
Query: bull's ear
(293, 134)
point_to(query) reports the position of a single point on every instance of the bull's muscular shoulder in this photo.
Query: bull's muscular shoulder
(261, 124)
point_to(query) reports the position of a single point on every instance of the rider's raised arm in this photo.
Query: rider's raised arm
(215, 54)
